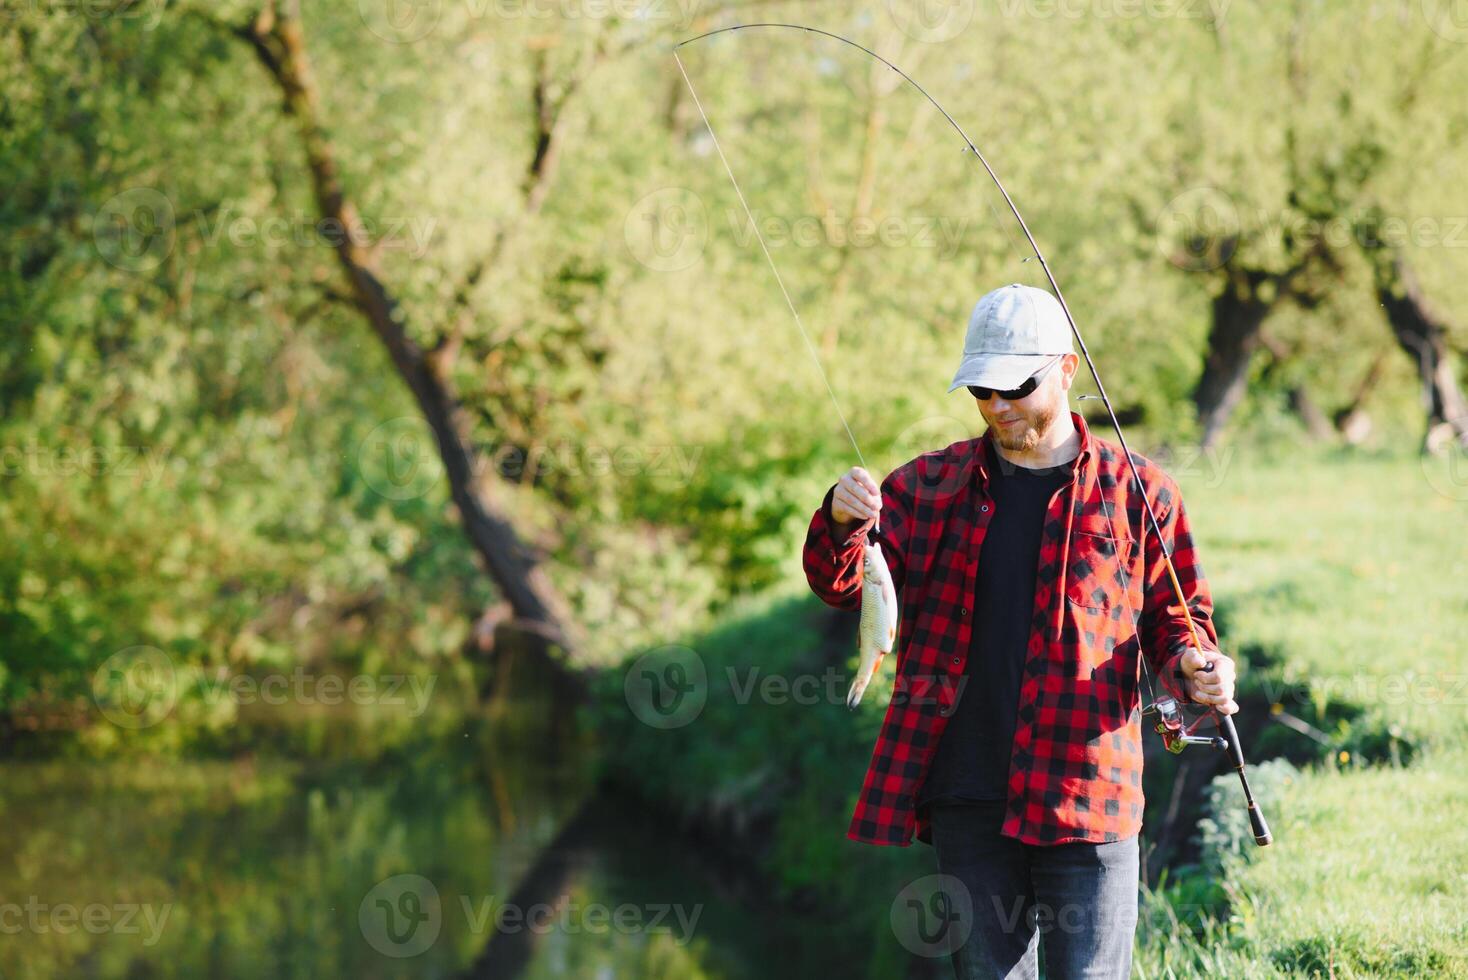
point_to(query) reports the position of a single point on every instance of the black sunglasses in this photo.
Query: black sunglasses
(1014, 394)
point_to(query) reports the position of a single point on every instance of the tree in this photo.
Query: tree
(1422, 331)
(1282, 193)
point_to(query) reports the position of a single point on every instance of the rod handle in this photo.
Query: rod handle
(1257, 823)
(1262, 836)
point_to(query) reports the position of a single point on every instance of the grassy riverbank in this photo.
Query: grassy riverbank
(1339, 583)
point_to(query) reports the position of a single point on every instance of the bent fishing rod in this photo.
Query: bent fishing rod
(1175, 735)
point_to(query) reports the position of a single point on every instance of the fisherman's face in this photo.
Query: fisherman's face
(1020, 425)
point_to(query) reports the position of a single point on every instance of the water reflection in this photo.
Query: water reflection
(456, 846)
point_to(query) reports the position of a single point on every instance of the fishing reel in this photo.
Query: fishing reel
(1176, 731)
(1177, 734)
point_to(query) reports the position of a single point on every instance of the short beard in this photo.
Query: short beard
(1034, 432)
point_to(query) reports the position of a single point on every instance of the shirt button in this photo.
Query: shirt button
(963, 611)
(955, 660)
(984, 509)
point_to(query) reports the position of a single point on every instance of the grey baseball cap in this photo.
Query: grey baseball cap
(1012, 333)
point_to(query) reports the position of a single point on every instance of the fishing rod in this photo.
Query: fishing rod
(1175, 734)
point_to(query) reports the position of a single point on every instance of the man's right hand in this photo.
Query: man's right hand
(856, 498)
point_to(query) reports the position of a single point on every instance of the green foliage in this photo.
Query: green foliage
(1227, 837)
(654, 415)
(190, 412)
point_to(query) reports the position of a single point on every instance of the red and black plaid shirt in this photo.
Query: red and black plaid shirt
(1076, 762)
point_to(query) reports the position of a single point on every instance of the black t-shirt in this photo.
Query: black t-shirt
(972, 758)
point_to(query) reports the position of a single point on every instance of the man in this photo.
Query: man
(1030, 588)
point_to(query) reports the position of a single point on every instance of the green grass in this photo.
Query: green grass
(1367, 877)
(1372, 865)
(1340, 585)
(1341, 579)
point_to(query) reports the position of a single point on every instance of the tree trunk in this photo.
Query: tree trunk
(1352, 422)
(1421, 330)
(1238, 313)
(276, 37)
(1301, 403)
(1310, 414)
(551, 882)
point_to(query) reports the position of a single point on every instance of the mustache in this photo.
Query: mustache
(1037, 424)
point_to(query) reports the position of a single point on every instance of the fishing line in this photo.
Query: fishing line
(768, 258)
(764, 247)
(1225, 724)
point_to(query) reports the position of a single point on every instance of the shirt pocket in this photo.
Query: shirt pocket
(1102, 575)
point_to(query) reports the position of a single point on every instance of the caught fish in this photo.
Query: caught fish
(878, 619)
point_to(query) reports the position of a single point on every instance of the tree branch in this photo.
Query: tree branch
(276, 37)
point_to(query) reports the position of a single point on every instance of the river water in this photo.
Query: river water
(449, 845)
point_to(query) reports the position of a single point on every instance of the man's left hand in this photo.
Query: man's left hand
(1214, 687)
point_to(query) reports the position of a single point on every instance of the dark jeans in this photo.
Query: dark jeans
(1078, 901)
